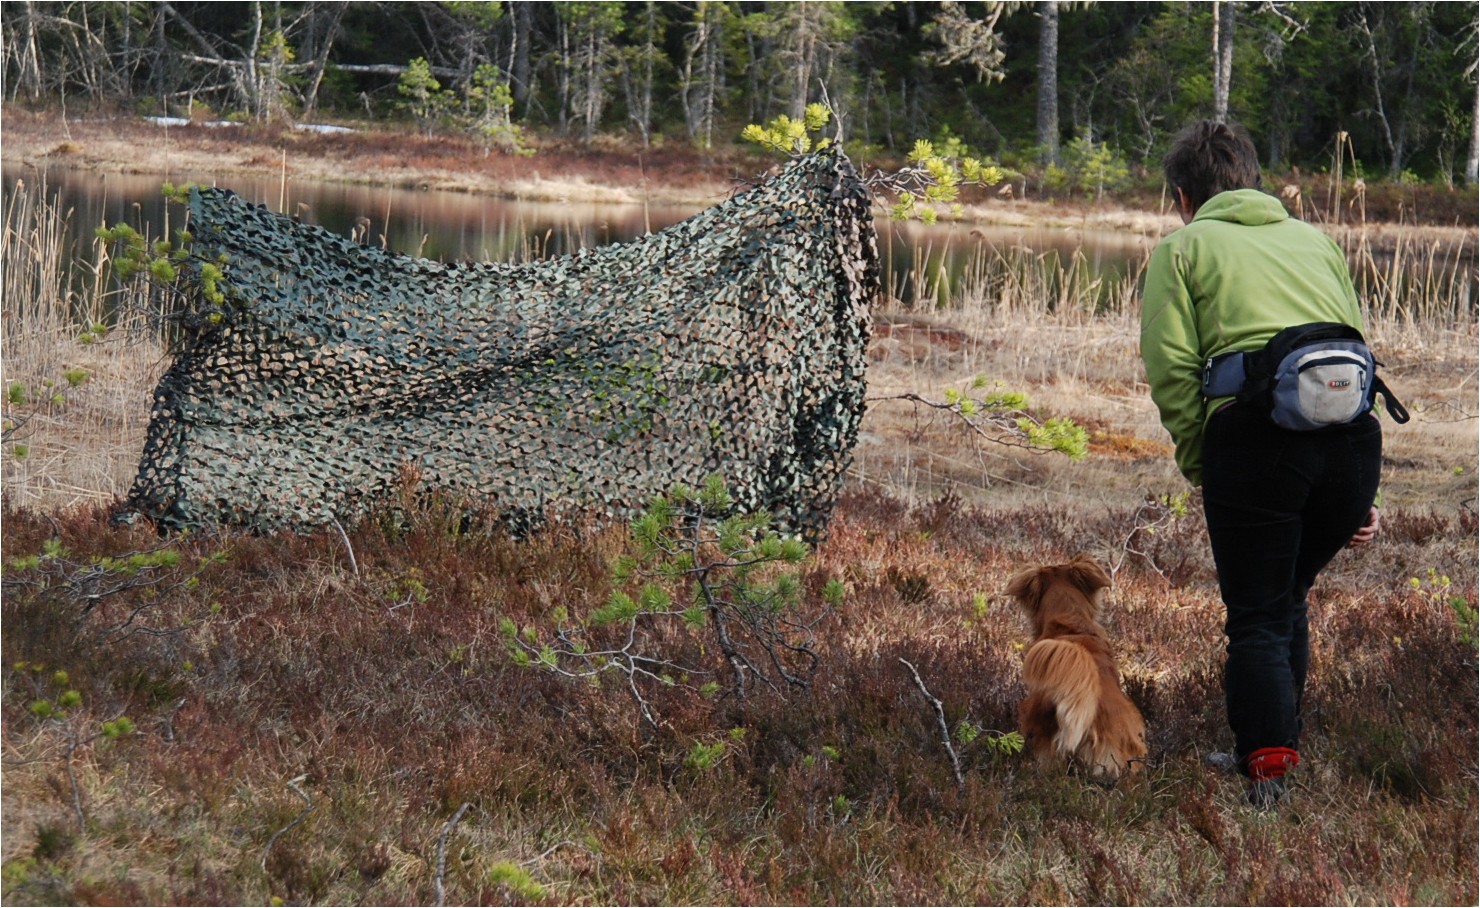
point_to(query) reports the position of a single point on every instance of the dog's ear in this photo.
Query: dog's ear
(1026, 587)
(1088, 575)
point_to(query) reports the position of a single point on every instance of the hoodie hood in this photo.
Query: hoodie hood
(1243, 206)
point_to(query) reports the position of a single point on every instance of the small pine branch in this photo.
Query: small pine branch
(928, 186)
(695, 566)
(1002, 418)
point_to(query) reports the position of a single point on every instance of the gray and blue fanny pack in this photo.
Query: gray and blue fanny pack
(1307, 377)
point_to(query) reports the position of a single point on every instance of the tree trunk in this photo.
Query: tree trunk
(126, 68)
(321, 59)
(1380, 105)
(806, 52)
(30, 63)
(1223, 20)
(688, 83)
(1409, 102)
(563, 78)
(159, 63)
(1473, 164)
(1048, 80)
(712, 62)
(591, 109)
(254, 99)
(640, 100)
(699, 83)
(519, 51)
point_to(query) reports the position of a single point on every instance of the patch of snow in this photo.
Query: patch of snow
(307, 127)
(322, 128)
(181, 121)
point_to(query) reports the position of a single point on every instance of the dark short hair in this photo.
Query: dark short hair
(1209, 157)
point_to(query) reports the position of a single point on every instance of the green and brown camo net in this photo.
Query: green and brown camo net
(732, 343)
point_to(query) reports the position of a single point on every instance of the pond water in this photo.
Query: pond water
(925, 265)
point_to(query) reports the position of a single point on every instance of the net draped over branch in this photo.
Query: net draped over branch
(733, 343)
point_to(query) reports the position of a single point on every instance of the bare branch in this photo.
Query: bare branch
(442, 851)
(293, 785)
(347, 547)
(940, 719)
(999, 426)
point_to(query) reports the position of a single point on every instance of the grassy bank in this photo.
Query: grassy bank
(667, 173)
(326, 719)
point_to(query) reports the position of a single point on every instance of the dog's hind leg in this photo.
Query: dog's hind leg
(1120, 737)
(1038, 722)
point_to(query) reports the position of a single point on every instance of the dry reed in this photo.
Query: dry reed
(1052, 324)
(79, 364)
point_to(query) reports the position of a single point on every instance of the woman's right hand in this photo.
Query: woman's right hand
(1368, 530)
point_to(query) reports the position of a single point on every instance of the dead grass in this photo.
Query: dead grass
(1090, 370)
(78, 378)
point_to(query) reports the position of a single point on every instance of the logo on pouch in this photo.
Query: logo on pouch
(1336, 384)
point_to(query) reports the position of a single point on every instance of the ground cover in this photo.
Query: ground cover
(321, 720)
(329, 718)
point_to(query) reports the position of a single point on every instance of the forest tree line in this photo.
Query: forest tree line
(1390, 87)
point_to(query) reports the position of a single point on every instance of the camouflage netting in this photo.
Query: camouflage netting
(731, 343)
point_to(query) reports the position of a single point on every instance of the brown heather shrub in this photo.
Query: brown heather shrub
(390, 694)
(1399, 694)
(1417, 527)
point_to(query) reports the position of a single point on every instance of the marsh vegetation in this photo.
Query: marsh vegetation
(337, 718)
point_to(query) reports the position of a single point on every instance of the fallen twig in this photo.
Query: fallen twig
(442, 850)
(353, 563)
(292, 784)
(940, 718)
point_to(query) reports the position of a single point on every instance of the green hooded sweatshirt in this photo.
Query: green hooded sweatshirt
(1238, 274)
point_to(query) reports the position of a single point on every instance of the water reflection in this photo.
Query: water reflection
(925, 266)
(447, 226)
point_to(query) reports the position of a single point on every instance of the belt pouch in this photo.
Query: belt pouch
(1224, 375)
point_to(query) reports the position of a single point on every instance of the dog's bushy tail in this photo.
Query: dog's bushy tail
(1066, 674)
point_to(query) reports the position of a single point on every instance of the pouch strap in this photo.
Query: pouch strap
(1395, 409)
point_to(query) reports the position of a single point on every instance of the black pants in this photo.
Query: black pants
(1279, 506)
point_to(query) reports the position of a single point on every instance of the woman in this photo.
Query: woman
(1279, 503)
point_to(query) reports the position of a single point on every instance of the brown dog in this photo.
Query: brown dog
(1075, 708)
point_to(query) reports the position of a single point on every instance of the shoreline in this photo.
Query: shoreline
(554, 173)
